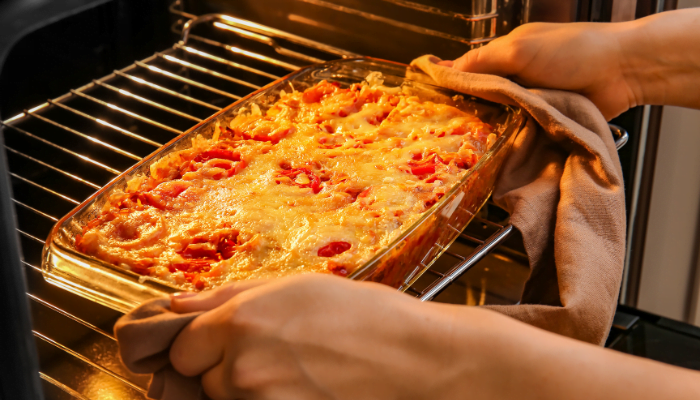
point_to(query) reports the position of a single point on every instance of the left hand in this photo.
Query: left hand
(308, 337)
(324, 337)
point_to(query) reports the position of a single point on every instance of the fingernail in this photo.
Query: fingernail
(183, 295)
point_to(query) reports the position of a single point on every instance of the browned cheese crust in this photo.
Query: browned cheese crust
(320, 182)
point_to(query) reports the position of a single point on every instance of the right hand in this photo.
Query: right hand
(586, 58)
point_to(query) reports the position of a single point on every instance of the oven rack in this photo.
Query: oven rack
(64, 149)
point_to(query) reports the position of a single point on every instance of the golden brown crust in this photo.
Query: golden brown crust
(319, 183)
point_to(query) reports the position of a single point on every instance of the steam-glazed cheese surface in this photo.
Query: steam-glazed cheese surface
(320, 182)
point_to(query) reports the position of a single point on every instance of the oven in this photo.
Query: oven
(106, 111)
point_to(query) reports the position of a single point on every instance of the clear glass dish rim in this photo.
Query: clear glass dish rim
(513, 126)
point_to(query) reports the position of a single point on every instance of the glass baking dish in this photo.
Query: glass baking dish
(398, 265)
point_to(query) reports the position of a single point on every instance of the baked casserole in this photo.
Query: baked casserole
(319, 182)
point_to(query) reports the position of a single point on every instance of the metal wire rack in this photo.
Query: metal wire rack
(63, 150)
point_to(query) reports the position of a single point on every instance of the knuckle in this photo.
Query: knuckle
(464, 62)
(245, 378)
(530, 28)
(178, 358)
(243, 318)
(517, 54)
(214, 388)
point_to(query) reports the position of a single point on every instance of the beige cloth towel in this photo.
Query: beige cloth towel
(563, 186)
(145, 335)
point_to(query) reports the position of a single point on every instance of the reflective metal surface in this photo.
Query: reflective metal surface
(399, 30)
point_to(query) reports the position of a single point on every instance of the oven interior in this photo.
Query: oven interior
(64, 149)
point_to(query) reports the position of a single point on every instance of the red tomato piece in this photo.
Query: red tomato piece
(199, 250)
(432, 179)
(316, 93)
(424, 166)
(365, 192)
(199, 284)
(423, 169)
(227, 248)
(467, 162)
(378, 119)
(223, 164)
(333, 249)
(141, 266)
(190, 267)
(227, 245)
(314, 180)
(338, 270)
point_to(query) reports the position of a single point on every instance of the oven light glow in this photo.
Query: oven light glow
(191, 50)
(105, 123)
(155, 69)
(230, 28)
(37, 108)
(22, 115)
(246, 53)
(171, 58)
(312, 22)
(243, 32)
(139, 80)
(18, 116)
(126, 93)
(240, 21)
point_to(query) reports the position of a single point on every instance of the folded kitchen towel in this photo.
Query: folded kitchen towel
(563, 187)
(145, 335)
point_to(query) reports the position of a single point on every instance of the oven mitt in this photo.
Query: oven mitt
(563, 187)
(145, 335)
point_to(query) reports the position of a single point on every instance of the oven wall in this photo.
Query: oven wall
(670, 280)
(398, 31)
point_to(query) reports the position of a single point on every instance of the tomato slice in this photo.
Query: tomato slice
(425, 166)
(333, 249)
(314, 180)
(423, 169)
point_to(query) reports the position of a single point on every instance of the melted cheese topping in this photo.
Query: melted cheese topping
(319, 183)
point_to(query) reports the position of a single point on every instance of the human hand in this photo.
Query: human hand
(324, 337)
(585, 58)
(308, 337)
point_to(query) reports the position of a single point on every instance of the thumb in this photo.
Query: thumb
(493, 59)
(187, 302)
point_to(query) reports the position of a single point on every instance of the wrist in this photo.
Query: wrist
(658, 58)
(630, 59)
(465, 351)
